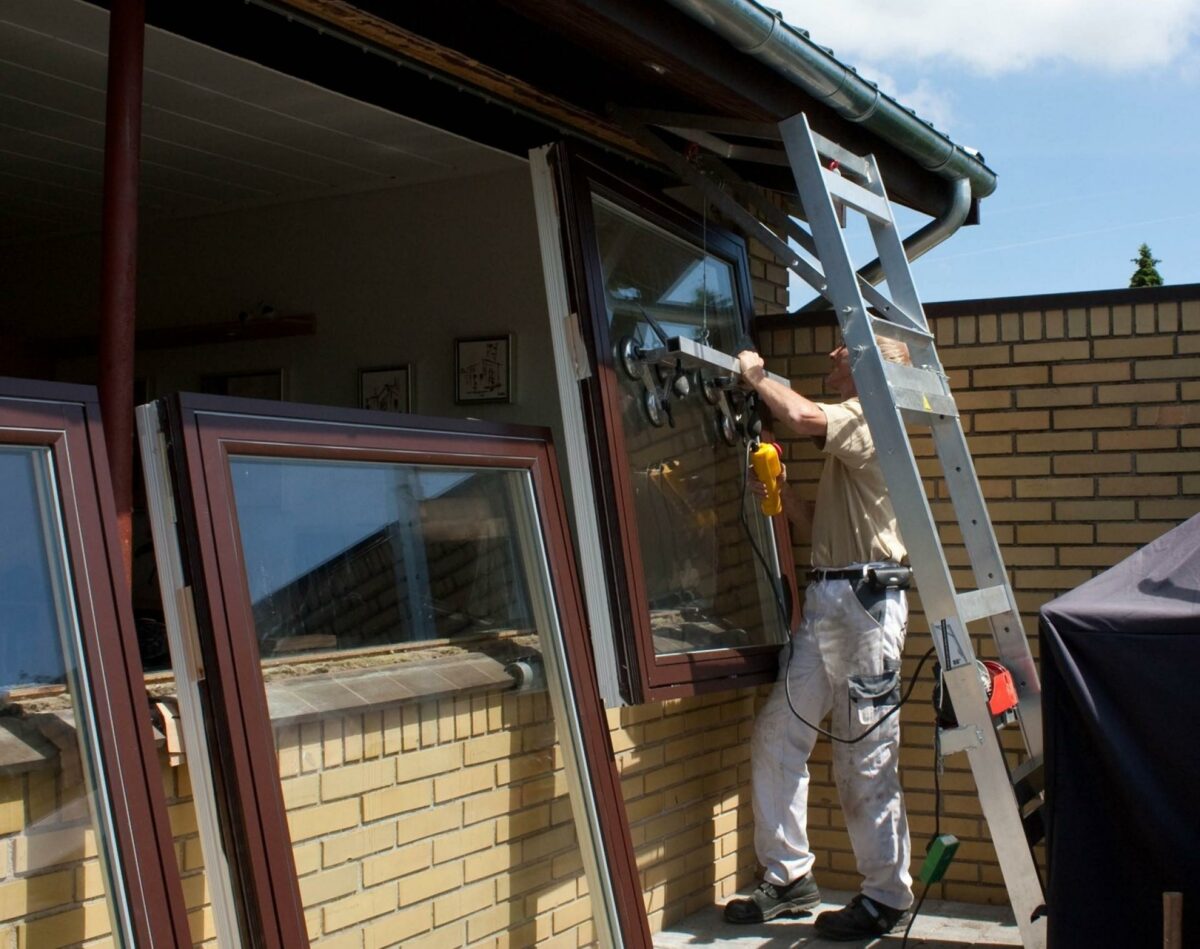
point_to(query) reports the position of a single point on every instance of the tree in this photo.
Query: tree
(1146, 274)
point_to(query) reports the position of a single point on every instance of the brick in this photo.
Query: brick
(1137, 440)
(397, 800)
(1060, 395)
(1094, 510)
(301, 792)
(359, 907)
(397, 863)
(84, 922)
(1012, 421)
(41, 851)
(464, 901)
(518, 824)
(422, 886)
(1093, 464)
(428, 823)
(1055, 488)
(322, 820)
(458, 784)
(1093, 418)
(1182, 461)
(1090, 372)
(458, 843)
(1137, 392)
(1055, 442)
(1051, 352)
(1176, 368)
(25, 897)
(1055, 534)
(491, 863)
(357, 843)
(1168, 510)
(355, 779)
(320, 888)
(1133, 348)
(420, 764)
(975, 356)
(1138, 486)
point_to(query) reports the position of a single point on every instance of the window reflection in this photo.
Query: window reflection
(344, 555)
(57, 866)
(703, 588)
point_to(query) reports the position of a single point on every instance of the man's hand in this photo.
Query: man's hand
(750, 366)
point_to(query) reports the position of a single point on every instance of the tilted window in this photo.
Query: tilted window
(700, 582)
(407, 737)
(89, 849)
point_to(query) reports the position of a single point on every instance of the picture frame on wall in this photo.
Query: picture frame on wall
(483, 369)
(386, 388)
(264, 384)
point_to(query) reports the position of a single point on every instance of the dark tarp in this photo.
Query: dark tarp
(1121, 681)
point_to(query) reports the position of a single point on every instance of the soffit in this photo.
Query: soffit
(218, 132)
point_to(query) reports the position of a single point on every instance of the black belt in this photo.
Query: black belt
(880, 575)
(844, 573)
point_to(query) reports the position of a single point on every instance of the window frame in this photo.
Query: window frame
(65, 418)
(203, 432)
(644, 675)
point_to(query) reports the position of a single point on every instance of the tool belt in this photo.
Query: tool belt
(878, 577)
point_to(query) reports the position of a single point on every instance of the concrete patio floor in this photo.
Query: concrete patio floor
(940, 925)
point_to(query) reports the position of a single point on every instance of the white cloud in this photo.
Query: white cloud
(999, 36)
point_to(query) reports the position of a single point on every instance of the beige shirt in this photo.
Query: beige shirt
(854, 521)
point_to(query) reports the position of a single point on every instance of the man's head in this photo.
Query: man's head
(841, 380)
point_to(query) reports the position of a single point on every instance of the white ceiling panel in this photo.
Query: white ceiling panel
(218, 133)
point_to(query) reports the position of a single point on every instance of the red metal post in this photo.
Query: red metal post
(118, 282)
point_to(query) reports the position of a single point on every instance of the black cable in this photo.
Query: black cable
(786, 619)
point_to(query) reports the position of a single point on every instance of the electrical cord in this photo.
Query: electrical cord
(937, 803)
(786, 620)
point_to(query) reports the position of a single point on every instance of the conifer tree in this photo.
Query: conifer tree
(1147, 274)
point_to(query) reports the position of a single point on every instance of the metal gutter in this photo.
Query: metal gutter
(762, 33)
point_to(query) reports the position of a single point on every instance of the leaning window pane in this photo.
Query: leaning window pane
(57, 867)
(703, 587)
(395, 609)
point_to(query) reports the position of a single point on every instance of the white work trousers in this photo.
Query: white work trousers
(845, 663)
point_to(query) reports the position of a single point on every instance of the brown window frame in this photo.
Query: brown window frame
(644, 675)
(203, 431)
(65, 418)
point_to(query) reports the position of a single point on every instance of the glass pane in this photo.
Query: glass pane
(704, 587)
(56, 872)
(395, 610)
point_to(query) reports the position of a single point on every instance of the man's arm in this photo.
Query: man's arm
(793, 411)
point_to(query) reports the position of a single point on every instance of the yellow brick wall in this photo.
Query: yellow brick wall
(442, 823)
(1084, 423)
(53, 891)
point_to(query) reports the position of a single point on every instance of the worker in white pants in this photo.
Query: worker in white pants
(844, 661)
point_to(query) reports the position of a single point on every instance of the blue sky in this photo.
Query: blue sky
(1087, 110)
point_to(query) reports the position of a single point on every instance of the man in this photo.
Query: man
(845, 661)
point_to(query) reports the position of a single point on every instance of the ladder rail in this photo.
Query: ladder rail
(946, 610)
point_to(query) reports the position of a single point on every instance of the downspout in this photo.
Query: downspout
(763, 34)
(118, 280)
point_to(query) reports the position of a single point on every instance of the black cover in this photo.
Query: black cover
(1121, 681)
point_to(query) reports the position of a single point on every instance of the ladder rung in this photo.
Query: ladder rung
(847, 159)
(920, 406)
(856, 196)
(1035, 827)
(1031, 783)
(913, 338)
(919, 390)
(980, 604)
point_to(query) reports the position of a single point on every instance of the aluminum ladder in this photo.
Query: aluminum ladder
(832, 182)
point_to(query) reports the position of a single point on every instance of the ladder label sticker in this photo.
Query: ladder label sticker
(953, 638)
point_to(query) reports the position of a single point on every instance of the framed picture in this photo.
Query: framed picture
(267, 384)
(388, 388)
(483, 369)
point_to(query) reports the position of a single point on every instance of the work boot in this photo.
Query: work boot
(861, 918)
(770, 900)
